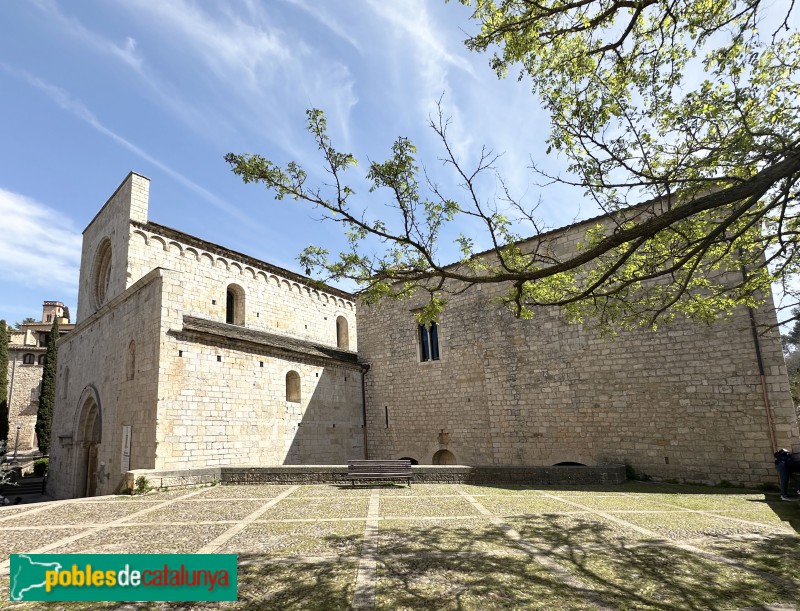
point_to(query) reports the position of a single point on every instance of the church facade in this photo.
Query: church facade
(189, 355)
(186, 355)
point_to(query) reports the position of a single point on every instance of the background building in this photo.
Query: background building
(26, 354)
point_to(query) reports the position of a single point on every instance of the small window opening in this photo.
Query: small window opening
(429, 342)
(28, 359)
(234, 305)
(130, 365)
(42, 359)
(219, 359)
(293, 386)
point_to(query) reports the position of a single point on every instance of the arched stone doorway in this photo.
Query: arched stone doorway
(88, 430)
(444, 457)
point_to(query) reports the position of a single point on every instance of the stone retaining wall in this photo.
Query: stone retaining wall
(324, 474)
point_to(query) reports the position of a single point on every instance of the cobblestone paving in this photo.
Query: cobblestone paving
(632, 546)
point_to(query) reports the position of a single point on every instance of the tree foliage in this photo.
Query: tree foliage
(3, 381)
(47, 394)
(680, 103)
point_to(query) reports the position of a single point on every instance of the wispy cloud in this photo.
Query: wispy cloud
(416, 30)
(253, 76)
(319, 14)
(125, 52)
(40, 247)
(77, 108)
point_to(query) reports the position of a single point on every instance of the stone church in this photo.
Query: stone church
(186, 354)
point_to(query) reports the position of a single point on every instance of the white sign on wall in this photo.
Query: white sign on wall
(125, 463)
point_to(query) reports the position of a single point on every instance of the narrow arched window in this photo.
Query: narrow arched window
(342, 334)
(130, 363)
(42, 359)
(293, 386)
(28, 359)
(429, 342)
(234, 305)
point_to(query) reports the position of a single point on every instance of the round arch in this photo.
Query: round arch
(444, 457)
(88, 434)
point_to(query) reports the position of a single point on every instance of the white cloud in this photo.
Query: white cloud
(125, 52)
(40, 247)
(415, 29)
(77, 108)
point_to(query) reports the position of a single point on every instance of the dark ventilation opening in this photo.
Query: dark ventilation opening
(414, 461)
(569, 464)
(444, 457)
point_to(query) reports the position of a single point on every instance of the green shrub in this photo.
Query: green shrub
(142, 485)
(40, 467)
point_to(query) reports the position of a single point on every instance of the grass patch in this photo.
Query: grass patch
(477, 582)
(681, 525)
(295, 586)
(776, 554)
(463, 535)
(547, 531)
(662, 577)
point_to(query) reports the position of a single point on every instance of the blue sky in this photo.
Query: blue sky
(92, 90)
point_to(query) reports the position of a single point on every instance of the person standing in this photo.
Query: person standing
(784, 467)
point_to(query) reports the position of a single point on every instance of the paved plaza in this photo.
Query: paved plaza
(631, 546)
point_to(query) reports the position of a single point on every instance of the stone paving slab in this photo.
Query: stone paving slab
(438, 546)
(318, 508)
(281, 539)
(149, 539)
(426, 506)
(81, 513)
(523, 504)
(476, 534)
(253, 491)
(196, 510)
(20, 541)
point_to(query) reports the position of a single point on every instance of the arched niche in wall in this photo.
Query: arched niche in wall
(293, 387)
(234, 305)
(342, 333)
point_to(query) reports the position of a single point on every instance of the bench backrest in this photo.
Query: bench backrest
(379, 466)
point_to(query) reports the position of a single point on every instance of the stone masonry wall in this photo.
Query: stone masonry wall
(94, 361)
(23, 401)
(129, 202)
(684, 402)
(226, 405)
(271, 302)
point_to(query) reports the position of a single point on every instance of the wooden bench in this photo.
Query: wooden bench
(379, 470)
